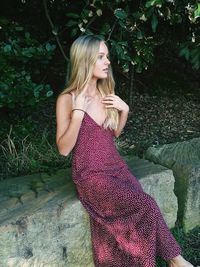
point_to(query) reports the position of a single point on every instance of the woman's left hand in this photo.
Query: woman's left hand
(114, 101)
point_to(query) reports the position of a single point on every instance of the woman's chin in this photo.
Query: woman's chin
(103, 76)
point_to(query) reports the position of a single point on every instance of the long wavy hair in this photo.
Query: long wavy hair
(83, 56)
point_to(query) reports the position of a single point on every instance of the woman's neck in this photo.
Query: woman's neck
(92, 88)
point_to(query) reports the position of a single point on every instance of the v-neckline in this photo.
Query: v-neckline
(101, 126)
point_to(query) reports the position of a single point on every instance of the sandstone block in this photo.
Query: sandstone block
(184, 160)
(42, 223)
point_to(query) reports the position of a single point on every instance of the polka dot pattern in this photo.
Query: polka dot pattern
(127, 227)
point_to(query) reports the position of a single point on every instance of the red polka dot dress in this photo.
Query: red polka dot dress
(127, 228)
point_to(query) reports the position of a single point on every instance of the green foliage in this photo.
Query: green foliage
(154, 3)
(191, 52)
(23, 61)
(135, 29)
(197, 11)
(120, 13)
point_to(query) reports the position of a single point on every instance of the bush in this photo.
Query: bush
(23, 64)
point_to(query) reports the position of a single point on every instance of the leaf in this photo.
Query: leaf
(143, 17)
(7, 48)
(176, 18)
(19, 29)
(37, 90)
(105, 28)
(3, 86)
(120, 13)
(151, 3)
(167, 13)
(48, 47)
(53, 47)
(28, 78)
(137, 15)
(71, 23)
(99, 12)
(73, 15)
(27, 35)
(23, 72)
(85, 13)
(197, 11)
(74, 32)
(154, 23)
(36, 93)
(185, 52)
(140, 35)
(55, 31)
(49, 93)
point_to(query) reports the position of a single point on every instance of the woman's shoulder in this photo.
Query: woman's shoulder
(64, 100)
(65, 97)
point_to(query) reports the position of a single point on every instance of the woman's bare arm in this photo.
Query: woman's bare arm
(68, 124)
(69, 121)
(122, 122)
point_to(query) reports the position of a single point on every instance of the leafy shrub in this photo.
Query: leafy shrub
(135, 28)
(23, 64)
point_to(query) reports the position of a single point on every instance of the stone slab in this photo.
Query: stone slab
(42, 223)
(183, 158)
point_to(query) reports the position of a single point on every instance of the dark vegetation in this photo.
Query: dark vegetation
(154, 48)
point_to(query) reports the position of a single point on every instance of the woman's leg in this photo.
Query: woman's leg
(179, 261)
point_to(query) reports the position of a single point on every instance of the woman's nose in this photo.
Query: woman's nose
(107, 61)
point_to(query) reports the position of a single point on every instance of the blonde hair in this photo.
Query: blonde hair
(83, 56)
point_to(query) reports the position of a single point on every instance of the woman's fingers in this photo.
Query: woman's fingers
(114, 101)
(109, 100)
(109, 103)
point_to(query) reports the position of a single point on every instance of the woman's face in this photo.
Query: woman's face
(100, 70)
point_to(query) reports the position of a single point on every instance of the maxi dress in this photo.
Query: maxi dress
(127, 228)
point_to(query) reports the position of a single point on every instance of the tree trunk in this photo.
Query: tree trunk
(132, 85)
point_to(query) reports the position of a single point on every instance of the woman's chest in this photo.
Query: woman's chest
(97, 111)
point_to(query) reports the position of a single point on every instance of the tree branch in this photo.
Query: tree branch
(53, 30)
(113, 27)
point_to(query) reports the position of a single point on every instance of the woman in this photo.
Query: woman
(127, 227)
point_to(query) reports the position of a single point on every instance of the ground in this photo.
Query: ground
(160, 120)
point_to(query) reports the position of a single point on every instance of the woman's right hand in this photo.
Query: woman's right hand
(82, 100)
